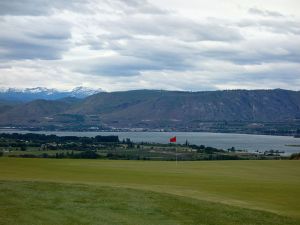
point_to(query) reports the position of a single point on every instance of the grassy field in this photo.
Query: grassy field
(51, 191)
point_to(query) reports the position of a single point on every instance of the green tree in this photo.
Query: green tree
(23, 148)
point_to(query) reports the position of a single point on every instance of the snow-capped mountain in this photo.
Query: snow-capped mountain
(82, 92)
(29, 94)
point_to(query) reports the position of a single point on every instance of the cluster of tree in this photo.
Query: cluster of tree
(295, 156)
(128, 142)
(22, 146)
(81, 155)
(62, 155)
(109, 147)
(205, 149)
(273, 152)
(208, 157)
(31, 137)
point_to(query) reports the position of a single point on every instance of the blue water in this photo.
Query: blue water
(247, 142)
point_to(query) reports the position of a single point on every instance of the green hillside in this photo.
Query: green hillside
(134, 192)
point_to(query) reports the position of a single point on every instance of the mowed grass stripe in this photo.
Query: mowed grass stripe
(265, 185)
(45, 203)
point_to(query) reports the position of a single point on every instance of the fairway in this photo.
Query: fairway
(148, 192)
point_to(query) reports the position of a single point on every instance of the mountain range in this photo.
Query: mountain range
(30, 94)
(168, 110)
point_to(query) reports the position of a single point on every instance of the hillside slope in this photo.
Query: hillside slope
(239, 105)
(152, 108)
(34, 112)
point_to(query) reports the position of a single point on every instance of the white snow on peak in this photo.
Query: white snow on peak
(77, 92)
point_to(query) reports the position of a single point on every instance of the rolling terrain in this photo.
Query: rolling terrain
(49, 191)
(165, 110)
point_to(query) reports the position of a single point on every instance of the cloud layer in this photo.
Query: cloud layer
(134, 44)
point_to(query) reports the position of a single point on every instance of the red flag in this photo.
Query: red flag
(173, 139)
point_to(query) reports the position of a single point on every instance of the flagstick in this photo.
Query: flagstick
(173, 139)
(176, 155)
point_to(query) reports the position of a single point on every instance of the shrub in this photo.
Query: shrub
(295, 156)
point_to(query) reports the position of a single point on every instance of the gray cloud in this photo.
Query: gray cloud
(283, 26)
(135, 7)
(257, 52)
(135, 44)
(180, 45)
(165, 42)
(171, 26)
(48, 7)
(37, 7)
(267, 13)
(115, 66)
(34, 38)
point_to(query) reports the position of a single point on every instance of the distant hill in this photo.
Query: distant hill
(162, 109)
(236, 105)
(30, 94)
(6, 105)
(34, 112)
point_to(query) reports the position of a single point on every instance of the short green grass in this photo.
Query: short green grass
(148, 192)
(64, 204)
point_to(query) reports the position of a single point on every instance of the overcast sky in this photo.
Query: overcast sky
(156, 44)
